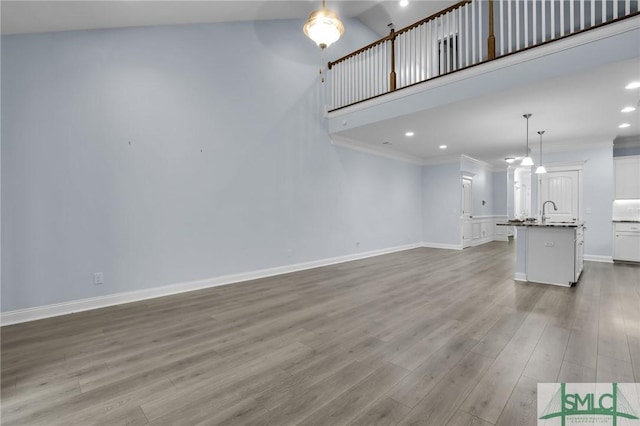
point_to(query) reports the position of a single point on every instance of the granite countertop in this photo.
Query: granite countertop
(545, 225)
(626, 221)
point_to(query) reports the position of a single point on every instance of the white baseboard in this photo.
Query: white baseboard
(480, 241)
(442, 246)
(520, 276)
(47, 311)
(595, 258)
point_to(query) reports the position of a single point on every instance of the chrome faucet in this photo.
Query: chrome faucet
(555, 208)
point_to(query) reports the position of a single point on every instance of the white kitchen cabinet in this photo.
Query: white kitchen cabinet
(555, 255)
(626, 241)
(627, 177)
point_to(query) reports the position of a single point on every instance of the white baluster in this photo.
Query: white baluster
(445, 43)
(535, 23)
(572, 22)
(582, 14)
(501, 27)
(552, 27)
(525, 5)
(473, 33)
(543, 19)
(615, 9)
(593, 12)
(466, 35)
(481, 40)
(562, 18)
(509, 29)
(454, 41)
(517, 46)
(412, 56)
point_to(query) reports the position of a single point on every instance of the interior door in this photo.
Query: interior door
(467, 226)
(563, 189)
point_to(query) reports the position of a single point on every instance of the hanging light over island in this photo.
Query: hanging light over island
(527, 161)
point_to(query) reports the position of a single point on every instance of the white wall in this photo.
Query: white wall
(169, 154)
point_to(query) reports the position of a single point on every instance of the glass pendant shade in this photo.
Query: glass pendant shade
(323, 27)
(527, 161)
(540, 170)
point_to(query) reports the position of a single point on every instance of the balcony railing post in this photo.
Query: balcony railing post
(491, 40)
(392, 73)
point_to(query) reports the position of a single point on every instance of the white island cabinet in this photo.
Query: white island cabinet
(549, 253)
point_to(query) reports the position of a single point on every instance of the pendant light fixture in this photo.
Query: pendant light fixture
(541, 169)
(527, 161)
(323, 27)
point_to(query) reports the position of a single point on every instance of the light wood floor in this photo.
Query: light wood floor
(429, 337)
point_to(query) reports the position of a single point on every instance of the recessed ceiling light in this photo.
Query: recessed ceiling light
(443, 147)
(628, 109)
(633, 85)
(624, 125)
(386, 143)
(409, 134)
(510, 159)
(404, 3)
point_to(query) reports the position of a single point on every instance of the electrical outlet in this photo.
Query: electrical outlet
(549, 244)
(98, 278)
(289, 252)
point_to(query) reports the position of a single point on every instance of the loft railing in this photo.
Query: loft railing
(465, 34)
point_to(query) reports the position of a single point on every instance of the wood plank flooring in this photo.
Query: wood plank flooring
(421, 337)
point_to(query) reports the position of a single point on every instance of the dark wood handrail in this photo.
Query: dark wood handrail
(434, 16)
(357, 52)
(393, 34)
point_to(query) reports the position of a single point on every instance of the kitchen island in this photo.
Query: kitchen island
(548, 253)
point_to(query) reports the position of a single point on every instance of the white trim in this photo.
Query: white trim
(480, 163)
(520, 276)
(443, 159)
(53, 310)
(566, 166)
(344, 142)
(597, 258)
(442, 246)
(482, 240)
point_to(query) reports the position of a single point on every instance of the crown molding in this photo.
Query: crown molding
(480, 163)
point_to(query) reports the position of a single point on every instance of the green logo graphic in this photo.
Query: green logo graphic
(614, 405)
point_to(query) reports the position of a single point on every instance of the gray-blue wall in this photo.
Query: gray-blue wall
(169, 154)
(441, 204)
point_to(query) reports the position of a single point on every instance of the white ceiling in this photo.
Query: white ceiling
(581, 108)
(45, 16)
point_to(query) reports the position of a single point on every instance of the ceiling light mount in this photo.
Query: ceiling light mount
(323, 27)
(527, 161)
